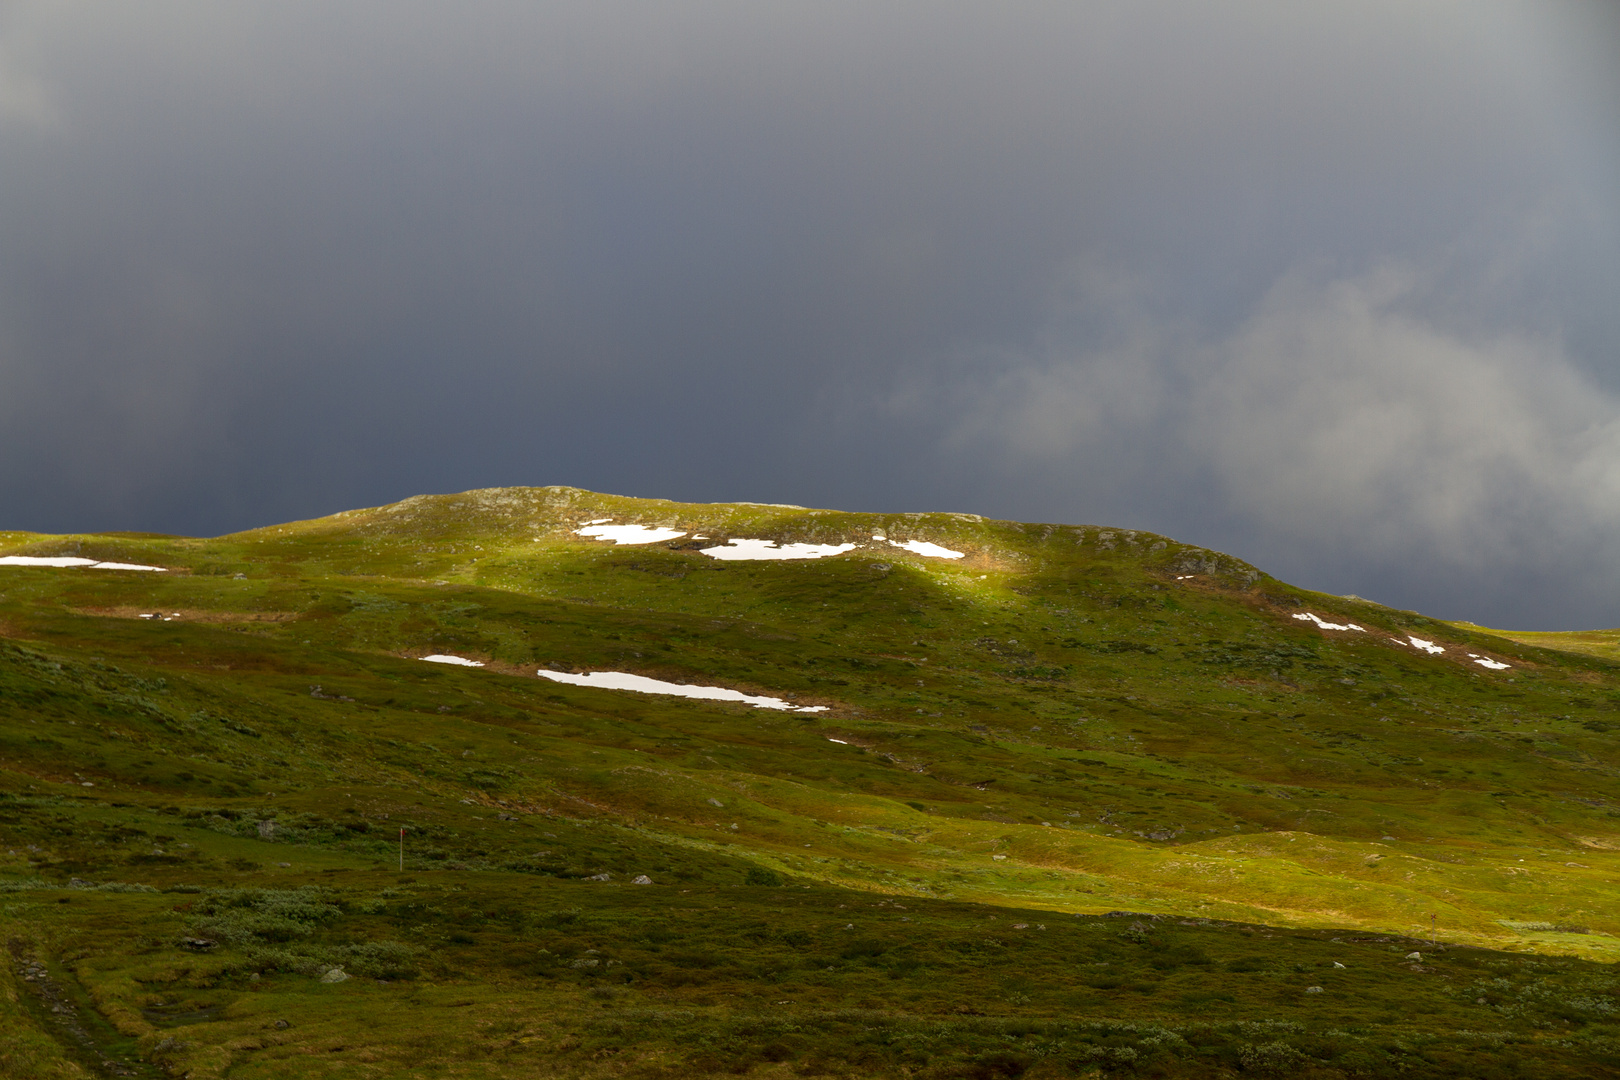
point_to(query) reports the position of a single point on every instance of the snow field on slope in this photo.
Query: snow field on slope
(932, 551)
(73, 560)
(742, 549)
(619, 680)
(746, 549)
(1308, 617)
(1417, 642)
(627, 534)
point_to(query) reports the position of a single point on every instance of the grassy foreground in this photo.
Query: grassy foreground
(1083, 802)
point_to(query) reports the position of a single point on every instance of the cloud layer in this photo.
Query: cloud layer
(1329, 286)
(1341, 434)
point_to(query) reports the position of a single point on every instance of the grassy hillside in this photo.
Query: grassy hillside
(203, 774)
(1600, 643)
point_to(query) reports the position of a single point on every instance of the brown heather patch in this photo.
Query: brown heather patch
(196, 615)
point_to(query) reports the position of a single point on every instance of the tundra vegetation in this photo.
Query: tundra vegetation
(1081, 802)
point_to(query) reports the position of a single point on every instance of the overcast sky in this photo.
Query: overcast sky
(1332, 287)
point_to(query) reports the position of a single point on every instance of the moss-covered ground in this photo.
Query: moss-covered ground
(204, 774)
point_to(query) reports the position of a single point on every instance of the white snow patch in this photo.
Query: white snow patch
(923, 547)
(445, 658)
(769, 549)
(1487, 662)
(879, 536)
(1308, 617)
(618, 680)
(73, 560)
(44, 560)
(1426, 646)
(840, 742)
(629, 534)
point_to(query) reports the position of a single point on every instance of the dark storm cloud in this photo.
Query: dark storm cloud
(1330, 287)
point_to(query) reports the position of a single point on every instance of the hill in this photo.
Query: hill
(1014, 800)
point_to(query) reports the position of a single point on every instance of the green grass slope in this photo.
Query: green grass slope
(203, 775)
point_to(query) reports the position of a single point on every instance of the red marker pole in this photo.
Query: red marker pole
(402, 849)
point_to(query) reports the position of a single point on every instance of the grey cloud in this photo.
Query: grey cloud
(264, 261)
(22, 99)
(1341, 424)
(1336, 412)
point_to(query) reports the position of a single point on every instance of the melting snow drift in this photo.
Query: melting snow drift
(628, 534)
(45, 560)
(769, 549)
(923, 547)
(73, 560)
(1487, 662)
(752, 548)
(445, 658)
(618, 680)
(1308, 617)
